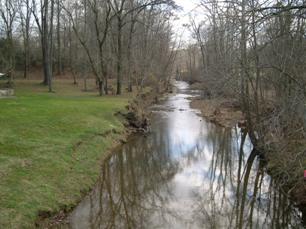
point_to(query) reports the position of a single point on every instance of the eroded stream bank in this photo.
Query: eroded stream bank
(187, 173)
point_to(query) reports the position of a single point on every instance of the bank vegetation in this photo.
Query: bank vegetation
(253, 53)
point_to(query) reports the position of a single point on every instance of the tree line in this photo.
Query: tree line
(130, 40)
(255, 51)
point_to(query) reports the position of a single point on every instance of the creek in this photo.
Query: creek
(185, 173)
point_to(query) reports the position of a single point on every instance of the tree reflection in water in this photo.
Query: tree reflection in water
(131, 187)
(240, 193)
(186, 173)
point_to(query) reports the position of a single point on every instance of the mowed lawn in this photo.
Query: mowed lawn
(51, 145)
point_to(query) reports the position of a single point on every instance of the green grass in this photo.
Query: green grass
(50, 148)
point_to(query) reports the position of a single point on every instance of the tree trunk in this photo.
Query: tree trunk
(26, 53)
(45, 43)
(85, 83)
(129, 53)
(100, 83)
(26, 37)
(74, 78)
(50, 47)
(59, 52)
(119, 60)
(105, 80)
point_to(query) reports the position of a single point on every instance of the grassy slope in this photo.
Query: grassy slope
(50, 146)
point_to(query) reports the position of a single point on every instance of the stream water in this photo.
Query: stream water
(186, 173)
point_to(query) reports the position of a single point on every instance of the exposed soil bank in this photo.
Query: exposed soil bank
(222, 111)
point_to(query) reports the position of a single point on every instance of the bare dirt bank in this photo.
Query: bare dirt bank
(222, 111)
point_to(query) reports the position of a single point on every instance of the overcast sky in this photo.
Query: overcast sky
(189, 7)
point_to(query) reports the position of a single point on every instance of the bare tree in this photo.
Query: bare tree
(45, 27)
(25, 12)
(101, 16)
(8, 13)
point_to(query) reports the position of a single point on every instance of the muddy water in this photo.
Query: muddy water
(187, 173)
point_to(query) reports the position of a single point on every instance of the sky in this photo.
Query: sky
(188, 7)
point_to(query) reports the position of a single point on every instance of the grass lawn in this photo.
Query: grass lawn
(50, 147)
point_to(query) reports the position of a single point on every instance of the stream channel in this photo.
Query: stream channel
(184, 174)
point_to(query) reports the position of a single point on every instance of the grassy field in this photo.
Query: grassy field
(50, 147)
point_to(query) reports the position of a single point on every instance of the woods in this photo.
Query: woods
(254, 52)
(101, 39)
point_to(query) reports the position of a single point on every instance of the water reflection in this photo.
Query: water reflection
(130, 187)
(186, 173)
